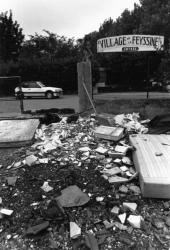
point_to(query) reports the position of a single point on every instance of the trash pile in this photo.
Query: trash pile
(76, 188)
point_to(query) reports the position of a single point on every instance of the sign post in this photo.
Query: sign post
(132, 43)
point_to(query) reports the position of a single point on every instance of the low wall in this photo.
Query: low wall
(147, 108)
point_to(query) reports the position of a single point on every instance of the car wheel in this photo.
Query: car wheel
(49, 95)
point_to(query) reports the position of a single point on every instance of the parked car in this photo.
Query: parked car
(37, 89)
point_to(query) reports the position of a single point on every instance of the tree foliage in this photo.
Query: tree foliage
(11, 37)
(49, 47)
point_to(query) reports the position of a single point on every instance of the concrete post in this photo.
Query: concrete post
(84, 76)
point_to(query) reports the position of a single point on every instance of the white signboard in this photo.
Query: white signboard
(130, 43)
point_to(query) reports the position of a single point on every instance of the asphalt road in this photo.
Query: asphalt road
(11, 105)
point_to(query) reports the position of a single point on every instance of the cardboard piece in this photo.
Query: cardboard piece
(109, 133)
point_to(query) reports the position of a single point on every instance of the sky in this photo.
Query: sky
(70, 18)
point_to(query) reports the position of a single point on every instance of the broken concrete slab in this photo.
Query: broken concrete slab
(154, 171)
(17, 133)
(109, 133)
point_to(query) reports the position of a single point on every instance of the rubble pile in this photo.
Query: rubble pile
(74, 190)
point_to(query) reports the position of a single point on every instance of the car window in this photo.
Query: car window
(33, 85)
(41, 84)
(25, 85)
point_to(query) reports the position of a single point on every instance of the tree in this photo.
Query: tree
(156, 17)
(50, 47)
(11, 37)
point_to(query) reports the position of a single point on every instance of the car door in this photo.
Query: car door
(34, 89)
(25, 86)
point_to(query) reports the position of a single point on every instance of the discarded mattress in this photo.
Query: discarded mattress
(152, 161)
(17, 133)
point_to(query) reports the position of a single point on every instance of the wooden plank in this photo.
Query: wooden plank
(16, 133)
(152, 161)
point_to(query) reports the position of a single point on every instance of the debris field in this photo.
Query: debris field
(74, 188)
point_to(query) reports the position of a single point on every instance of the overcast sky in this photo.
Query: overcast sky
(71, 18)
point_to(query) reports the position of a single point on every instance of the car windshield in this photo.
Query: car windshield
(41, 84)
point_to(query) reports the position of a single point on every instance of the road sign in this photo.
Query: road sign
(130, 43)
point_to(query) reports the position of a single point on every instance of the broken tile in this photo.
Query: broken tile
(135, 220)
(6, 211)
(130, 205)
(158, 223)
(31, 160)
(107, 224)
(46, 187)
(120, 226)
(115, 210)
(115, 155)
(84, 149)
(117, 179)
(99, 199)
(122, 218)
(123, 189)
(135, 189)
(43, 161)
(75, 230)
(121, 149)
(112, 171)
(11, 180)
(124, 168)
(127, 160)
(128, 173)
(101, 150)
(118, 161)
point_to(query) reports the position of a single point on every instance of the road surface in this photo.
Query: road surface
(11, 105)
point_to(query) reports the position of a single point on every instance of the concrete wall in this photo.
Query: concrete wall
(146, 108)
(84, 77)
